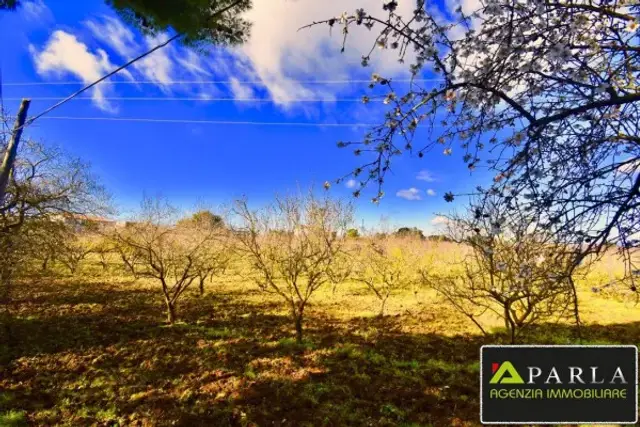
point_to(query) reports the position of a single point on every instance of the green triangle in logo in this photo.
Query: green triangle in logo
(506, 374)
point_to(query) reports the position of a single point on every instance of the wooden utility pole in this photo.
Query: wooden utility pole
(12, 148)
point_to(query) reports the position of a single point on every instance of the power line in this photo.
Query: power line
(157, 98)
(214, 122)
(176, 82)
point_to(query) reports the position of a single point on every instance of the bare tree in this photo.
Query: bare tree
(43, 183)
(129, 255)
(542, 93)
(386, 267)
(291, 246)
(342, 267)
(44, 237)
(218, 251)
(104, 248)
(74, 248)
(159, 250)
(511, 267)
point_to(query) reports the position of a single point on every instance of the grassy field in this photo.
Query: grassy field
(93, 350)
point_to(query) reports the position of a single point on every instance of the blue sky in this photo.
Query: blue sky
(215, 163)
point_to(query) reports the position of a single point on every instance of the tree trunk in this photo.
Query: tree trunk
(298, 313)
(171, 312)
(509, 324)
(12, 148)
(202, 285)
(298, 321)
(576, 309)
(382, 306)
(45, 264)
(506, 318)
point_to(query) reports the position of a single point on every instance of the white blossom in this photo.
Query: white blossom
(390, 97)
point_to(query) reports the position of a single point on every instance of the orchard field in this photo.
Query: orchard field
(278, 312)
(93, 348)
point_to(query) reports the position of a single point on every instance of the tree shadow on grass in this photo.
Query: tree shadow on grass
(229, 365)
(394, 378)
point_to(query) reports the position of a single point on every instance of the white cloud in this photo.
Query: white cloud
(431, 192)
(163, 66)
(352, 183)
(278, 56)
(36, 11)
(279, 53)
(409, 194)
(157, 67)
(425, 175)
(439, 220)
(241, 91)
(113, 33)
(65, 54)
(191, 62)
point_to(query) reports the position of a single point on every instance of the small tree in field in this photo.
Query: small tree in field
(73, 248)
(353, 233)
(413, 232)
(159, 250)
(385, 268)
(511, 267)
(129, 255)
(217, 253)
(295, 261)
(103, 247)
(342, 267)
(45, 240)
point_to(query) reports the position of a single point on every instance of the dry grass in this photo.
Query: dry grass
(92, 350)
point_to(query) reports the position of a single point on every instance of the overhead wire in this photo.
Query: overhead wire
(160, 99)
(175, 82)
(216, 122)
